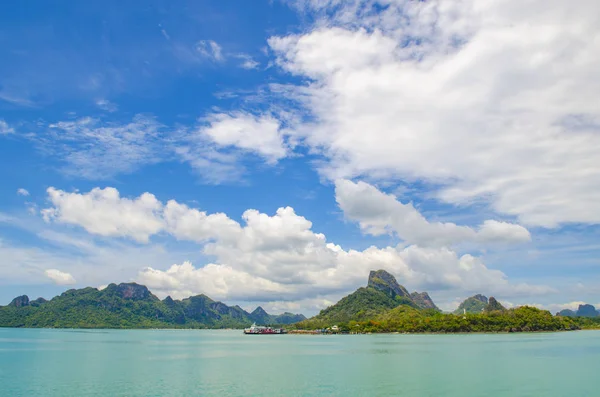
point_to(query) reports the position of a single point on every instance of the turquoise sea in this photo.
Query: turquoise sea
(37, 362)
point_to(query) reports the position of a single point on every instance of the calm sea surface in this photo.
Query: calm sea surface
(228, 363)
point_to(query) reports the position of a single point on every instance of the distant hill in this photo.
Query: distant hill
(386, 306)
(493, 306)
(423, 300)
(381, 294)
(130, 305)
(567, 313)
(587, 311)
(584, 310)
(474, 304)
(261, 317)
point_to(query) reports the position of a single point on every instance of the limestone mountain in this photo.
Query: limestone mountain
(126, 305)
(385, 306)
(586, 311)
(493, 305)
(381, 294)
(567, 313)
(423, 300)
(261, 317)
(386, 283)
(474, 304)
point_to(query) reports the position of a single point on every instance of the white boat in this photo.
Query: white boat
(263, 330)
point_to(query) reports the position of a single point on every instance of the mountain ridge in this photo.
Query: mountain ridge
(131, 305)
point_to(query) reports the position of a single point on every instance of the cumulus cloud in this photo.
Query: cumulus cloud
(261, 135)
(276, 257)
(216, 281)
(490, 100)
(105, 212)
(378, 213)
(60, 278)
(22, 192)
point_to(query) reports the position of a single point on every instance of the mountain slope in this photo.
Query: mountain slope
(126, 305)
(423, 300)
(474, 304)
(493, 306)
(381, 294)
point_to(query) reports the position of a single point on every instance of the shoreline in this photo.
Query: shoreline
(306, 332)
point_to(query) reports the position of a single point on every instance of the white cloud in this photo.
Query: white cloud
(5, 128)
(97, 150)
(490, 100)
(216, 281)
(191, 224)
(107, 105)
(60, 278)
(257, 134)
(104, 212)
(247, 61)
(22, 192)
(210, 49)
(270, 257)
(379, 213)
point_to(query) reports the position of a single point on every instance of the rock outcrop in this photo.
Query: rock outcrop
(587, 311)
(20, 301)
(133, 291)
(386, 283)
(493, 305)
(474, 304)
(423, 300)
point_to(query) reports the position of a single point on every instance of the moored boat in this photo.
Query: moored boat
(263, 330)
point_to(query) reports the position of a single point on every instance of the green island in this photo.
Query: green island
(130, 305)
(383, 306)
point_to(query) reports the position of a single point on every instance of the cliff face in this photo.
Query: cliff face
(386, 283)
(20, 301)
(132, 291)
(423, 300)
(586, 311)
(474, 304)
(493, 305)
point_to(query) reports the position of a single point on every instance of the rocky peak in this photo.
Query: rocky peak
(587, 311)
(494, 305)
(38, 301)
(259, 311)
(385, 282)
(481, 298)
(423, 300)
(133, 291)
(20, 301)
(260, 316)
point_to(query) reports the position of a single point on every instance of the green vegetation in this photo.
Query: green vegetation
(363, 304)
(474, 304)
(126, 306)
(493, 306)
(408, 319)
(384, 306)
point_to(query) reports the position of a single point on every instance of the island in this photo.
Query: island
(383, 306)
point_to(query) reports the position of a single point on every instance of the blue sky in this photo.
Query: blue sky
(273, 152)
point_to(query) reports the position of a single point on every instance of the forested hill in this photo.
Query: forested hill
(386, 306)
(130, 305)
